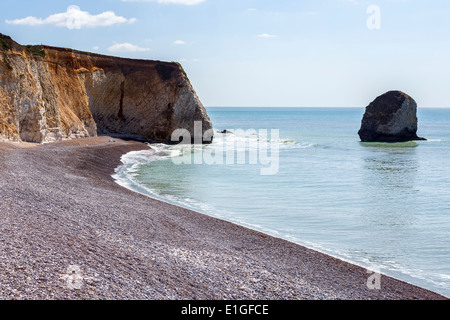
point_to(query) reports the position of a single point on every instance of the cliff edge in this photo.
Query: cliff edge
(49, 94)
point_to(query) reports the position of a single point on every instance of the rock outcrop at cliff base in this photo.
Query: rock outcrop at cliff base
(392, 117)
(49, 94)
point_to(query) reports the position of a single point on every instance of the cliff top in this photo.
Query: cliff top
(7, 43)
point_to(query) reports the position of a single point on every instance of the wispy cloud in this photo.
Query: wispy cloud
(187, 60)
(74, 18)
(185, 2)
(266, 35)
(126, 47)
(179, 42)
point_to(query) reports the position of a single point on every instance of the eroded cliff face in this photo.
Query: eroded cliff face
(65, 94)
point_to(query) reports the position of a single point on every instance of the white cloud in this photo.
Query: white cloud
(188, 60)
(126, 47)
(185, 2)
(266, 35)
(179, 42)
(29, 21)
(95, 48)
(74, 18)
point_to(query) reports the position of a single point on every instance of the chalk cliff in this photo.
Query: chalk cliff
(49, 94)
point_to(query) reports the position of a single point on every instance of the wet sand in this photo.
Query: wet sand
(60, 208)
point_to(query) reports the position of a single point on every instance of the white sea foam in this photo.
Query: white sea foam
(224, 142)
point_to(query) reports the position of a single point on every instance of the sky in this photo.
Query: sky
(286, 53)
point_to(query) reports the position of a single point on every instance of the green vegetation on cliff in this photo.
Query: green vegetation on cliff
(36, 50)
(4, 45)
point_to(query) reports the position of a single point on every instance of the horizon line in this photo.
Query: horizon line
(310, 107)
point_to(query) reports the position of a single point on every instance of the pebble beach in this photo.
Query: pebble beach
(68, 231)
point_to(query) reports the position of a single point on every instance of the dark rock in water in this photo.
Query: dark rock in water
(392, 117)
(224, 131)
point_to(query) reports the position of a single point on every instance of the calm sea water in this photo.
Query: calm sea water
(385, 207)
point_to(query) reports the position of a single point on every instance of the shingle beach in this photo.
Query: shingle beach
(68, 231)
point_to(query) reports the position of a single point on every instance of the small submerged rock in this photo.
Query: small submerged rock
(392, 117)
(224, 132)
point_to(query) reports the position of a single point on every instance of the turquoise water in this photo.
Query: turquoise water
(382, 206)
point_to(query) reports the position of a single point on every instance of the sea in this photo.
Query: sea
(302, 174)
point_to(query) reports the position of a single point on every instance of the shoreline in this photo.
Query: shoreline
(61, 207)
(272, 234)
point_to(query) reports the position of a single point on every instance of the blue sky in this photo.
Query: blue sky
(261, 52)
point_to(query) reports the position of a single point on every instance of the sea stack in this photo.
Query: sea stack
(392, 117)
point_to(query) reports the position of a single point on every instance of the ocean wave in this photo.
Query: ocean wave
(254, 140)
(222, 143)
